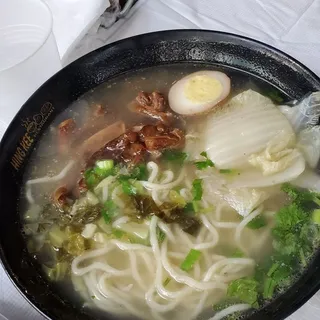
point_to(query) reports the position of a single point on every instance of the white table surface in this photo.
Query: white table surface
(290, 25)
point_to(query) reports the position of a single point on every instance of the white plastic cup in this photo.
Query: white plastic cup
(28, 53)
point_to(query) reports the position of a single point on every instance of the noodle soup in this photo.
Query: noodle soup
(176, 193)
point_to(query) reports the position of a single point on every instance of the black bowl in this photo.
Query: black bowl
(66, 86)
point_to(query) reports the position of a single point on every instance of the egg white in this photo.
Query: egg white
(184, 106)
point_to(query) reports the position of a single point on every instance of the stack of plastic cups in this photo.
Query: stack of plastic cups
(28, 53)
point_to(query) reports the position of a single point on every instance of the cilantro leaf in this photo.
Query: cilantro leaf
(286, 244)
(204, 163)
(244, 289)
(295, 235)
(289, 217)
(300, 196)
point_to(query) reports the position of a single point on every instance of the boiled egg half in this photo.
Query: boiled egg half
(199, 92)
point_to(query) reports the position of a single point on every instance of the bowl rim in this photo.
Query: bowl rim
(166, 35)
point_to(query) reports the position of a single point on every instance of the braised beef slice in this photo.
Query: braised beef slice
(143, 98)
(153, 105)
(154, 101)
(135, 153)
(161, 137)
(97, 141)
(134, 146)
(147, 131)
(120, 149)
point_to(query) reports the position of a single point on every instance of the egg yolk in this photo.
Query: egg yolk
(202, 88)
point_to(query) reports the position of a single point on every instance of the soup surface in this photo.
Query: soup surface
(176, 192)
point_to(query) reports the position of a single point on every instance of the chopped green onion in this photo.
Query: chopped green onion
(197, 189)
(273, 268)
(138, 186)
(128, 188)
(195, 205)
(189, 208)
(190, 260)
(101, 170)
(176, 198)
(104, 168)
(91, 178)
(166, 282)
(204, 154)
(268, 288)
(118, 233)
(109, 211)
(105, 164)
(257, 222)
(160, 235)
(316, 216)
(174, 155)
(226, 171)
